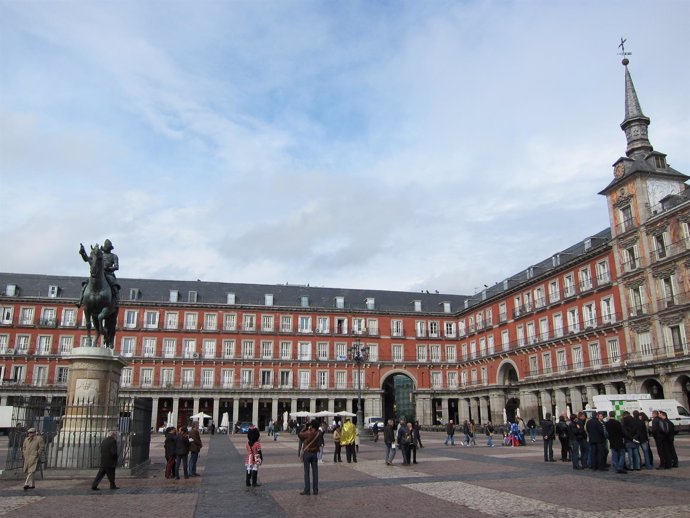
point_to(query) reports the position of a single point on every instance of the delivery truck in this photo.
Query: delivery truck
(619, 403)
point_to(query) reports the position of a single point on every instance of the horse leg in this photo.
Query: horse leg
(87, 317)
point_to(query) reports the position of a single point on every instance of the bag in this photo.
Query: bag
(258, 459)
(407, 438)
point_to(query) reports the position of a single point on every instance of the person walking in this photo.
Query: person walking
(418, 435)
(254, 457)
(108, 461)
(170, 446)
(450, 433)
(32, 449)
(404, 440)
(489, 431)
(389, 441)
(181, 452)
(548, 431)
(322, 441)
(195, 446)
(336, 444)
(473, 432)
(532, 427)
(347, 439)
(310, 447)
(411, 443)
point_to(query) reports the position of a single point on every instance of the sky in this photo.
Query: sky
(392, 145)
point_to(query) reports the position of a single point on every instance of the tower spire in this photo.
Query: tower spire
(636, 123)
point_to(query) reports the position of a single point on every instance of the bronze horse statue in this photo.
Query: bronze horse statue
(99, 310)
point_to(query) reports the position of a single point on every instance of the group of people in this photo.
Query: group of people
(182, 447)
(586, 442)
(406, 437)
(469, 431)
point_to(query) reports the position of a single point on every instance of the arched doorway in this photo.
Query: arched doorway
(507, 374)
(399, 398)
(512, 406)
(653, 388)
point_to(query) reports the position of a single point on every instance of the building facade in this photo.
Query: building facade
(606, 315)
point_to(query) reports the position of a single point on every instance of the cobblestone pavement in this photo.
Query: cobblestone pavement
(460, 481)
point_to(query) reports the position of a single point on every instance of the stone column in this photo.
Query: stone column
(591, 391)
(293, 405)
(561, 402)
(331, 405)
(498, 404)
(610, 389)
(216, 411)
(546, 404)
(195, 406)
(529, 405)
(445, 410)
(154, 414)
(575, 400)
(175, 412)
(255, 411)
(423, 409)
(274, 409)
(312, 405)
(464, 409)
(483, 409)
(474, 409)
(235, 413)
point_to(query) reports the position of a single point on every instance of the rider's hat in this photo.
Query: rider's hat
(108, 246)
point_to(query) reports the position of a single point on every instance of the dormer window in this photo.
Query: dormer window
(53, 291)
(340, 302)
(304, 301)
(11, 290)
(371, 303)
(230, 299)
(659, 162)
(192, 296)
(446, 307)
(418, 306)
(268, 299)
(134, 294)
(174, 296)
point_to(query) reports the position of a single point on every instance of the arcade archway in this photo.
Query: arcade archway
(399, 397)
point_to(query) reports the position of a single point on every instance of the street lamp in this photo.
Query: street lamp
(358, 354)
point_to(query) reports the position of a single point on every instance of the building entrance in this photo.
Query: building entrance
(399, 398)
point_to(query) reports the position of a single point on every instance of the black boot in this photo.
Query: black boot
(249, 479)
(255, 475)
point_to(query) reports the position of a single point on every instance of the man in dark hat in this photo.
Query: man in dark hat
(108, 461)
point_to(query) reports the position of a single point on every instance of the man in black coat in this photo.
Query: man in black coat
(108, 461)
(597, 442)
(548, 431)
(614, 429)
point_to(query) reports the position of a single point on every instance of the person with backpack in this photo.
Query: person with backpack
(563, 437)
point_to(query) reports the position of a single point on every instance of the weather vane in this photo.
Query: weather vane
(622, 52)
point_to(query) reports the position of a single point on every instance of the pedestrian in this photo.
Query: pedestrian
(32, 449)
(108, 461)
(412, 445)
(632, 441)
(563, 437)
(322, 441)
(389, 441)
(450, 433)
(473, 432)
(310, 446)
(548, 431)
(169, 445)
(347, 439)
(254, 457)
(375, 431)
(489, 431)
(642, 428)
(356, 440)
(661, 431)
(195, 446)
(532, 427)
(418, 435)
(404, 440)
(336, 443)
(597, 442)
(616, 437)
(181, 452)
(577, 437)
(271, 427)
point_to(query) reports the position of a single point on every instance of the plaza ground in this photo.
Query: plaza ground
(447, 481)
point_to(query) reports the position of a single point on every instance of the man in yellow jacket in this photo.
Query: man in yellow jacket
(347, 439)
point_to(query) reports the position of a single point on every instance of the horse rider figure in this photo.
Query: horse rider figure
(110, 266)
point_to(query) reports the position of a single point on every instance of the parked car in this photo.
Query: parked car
(242, 427)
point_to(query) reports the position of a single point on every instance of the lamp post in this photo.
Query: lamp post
(358, 354)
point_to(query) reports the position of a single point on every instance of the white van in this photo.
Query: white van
(618, 403)
(369, 423)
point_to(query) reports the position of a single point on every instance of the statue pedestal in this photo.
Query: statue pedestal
(93, 409)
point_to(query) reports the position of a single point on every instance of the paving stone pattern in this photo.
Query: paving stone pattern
(447, 481)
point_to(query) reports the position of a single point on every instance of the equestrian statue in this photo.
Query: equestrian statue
(100, 294)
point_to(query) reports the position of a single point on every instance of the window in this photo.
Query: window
(151, 319)
(451, 353)
(434, 329)
(517, 305)
(126, 377)
(61, 374)
(340, 302)
(446, 307)
(520, 336)
(452, 379)
(230, 299)
(370, 303)
(573, 320)
(372, 327)
(191, 320)
(286, 379)
(304, 351)
(630, 258)
(304, 324)
(543, 329)
(69, 318)
(341, 379)
(322, 379)
(473, 376)
(685, 233)
(146, 377)
(473, 350)
(66, 343)
(589, 314)
(266, 350)
(546, 363)
(636, 298)
(189, 348)
(539, 298)
(418, 306)
(211, 321)
(461, 328)
(209, 348)
(626, 218)
(228, 349)
(26, 317)
(322, 325)
(608, 315)
(396, 328)
(48, 317)
(44, 345)
(569, 285)
(464, 352)
(502, 312)
(127, 345)
(578, 363)
(485, 376)
(644, 345)
(266, 378)
(268, 299)
(19, 373)
(207, 378)
(249, 323)
(533, 366)
(480, 321)
(531, 333)
(463, 378)
(594, 354)
(527, 297)
(174, 296)
(435, 353)
(247, 376)
(585, 279)
(482, 347)
(22, 344)
(286, 350)
(660, 245)
(322, 351)
(130, 319)
(505, 340)
(420, 328)
(561, 360)
(668, 290)
(304, 301)
(436, 379)
(4, 341)
(171, 320)
(230, 322)
(449, 329)
(304, 379)
(169, 347)
(187, 378)
(554, 291)
(247, 349)
(398, 353)
(421, 353)
(471, 324)
(267, 323)
(286, 324)
(167, 377)
(149, 347)
(192, 296)
(614, 351)
(558, 325)
(489, 317)
(603, 274)
(227, 377)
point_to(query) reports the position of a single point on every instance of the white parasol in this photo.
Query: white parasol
(345, 413)
(225, 421)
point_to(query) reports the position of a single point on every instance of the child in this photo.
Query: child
(254, 457)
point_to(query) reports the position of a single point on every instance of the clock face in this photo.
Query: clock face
(619, 170)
